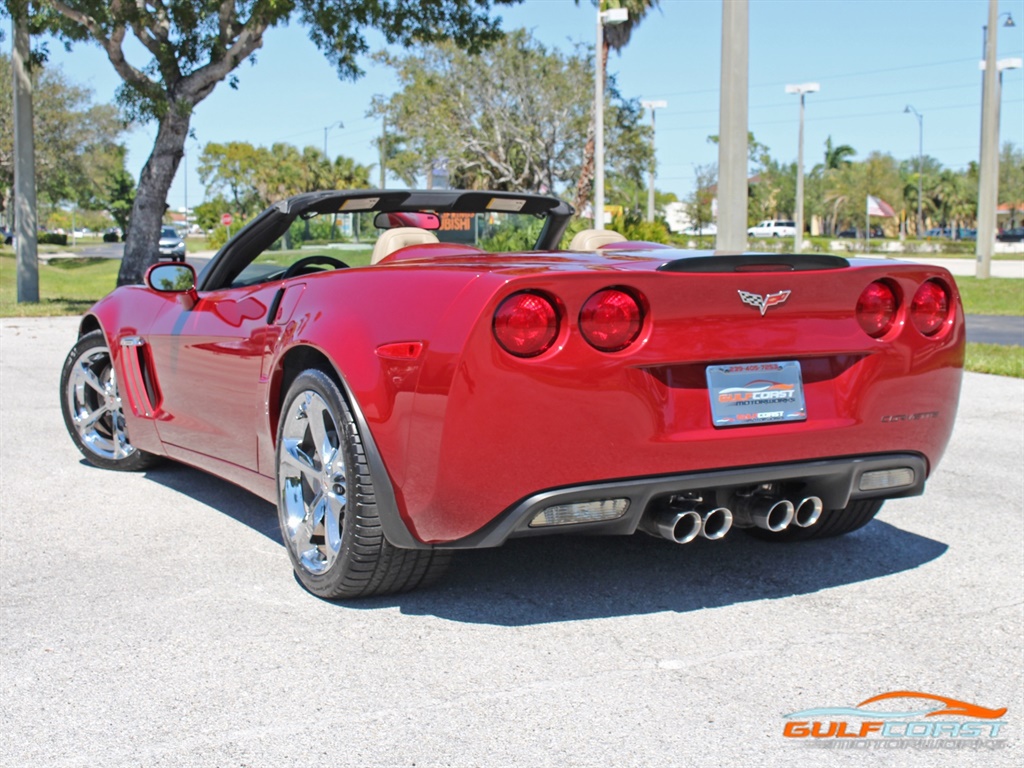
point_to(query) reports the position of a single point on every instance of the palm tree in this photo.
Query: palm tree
(837, 160)
(616, 38)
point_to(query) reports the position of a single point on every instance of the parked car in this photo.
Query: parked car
(877, 233)
(773, 228)
(1014, 235)
(705, 229)
(449, 397)
(171, 244)
(7, 236)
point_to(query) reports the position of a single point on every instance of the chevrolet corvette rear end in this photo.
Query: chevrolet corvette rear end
(447, 396)
(679, 395)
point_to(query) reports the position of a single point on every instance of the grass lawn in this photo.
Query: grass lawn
(66, 286)
(995, 358)
(995, 296)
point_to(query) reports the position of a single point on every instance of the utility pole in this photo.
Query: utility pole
(988, 177)
(652, 105)
(25, 222)
(383, 152)
(732, 128)
(611, 16)
(803, 90)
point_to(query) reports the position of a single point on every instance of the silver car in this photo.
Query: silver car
(171, 244)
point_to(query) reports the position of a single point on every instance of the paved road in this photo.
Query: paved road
(996, 329)
(152, 620)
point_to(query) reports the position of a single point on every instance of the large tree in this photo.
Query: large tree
(76, 141)
(510, 118)
(192, 45)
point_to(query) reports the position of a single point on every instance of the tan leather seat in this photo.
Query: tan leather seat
(592, 239)
(391, 240)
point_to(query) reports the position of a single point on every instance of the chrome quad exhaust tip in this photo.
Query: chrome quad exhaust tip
(762, 511)
(683, 520)
(807, 512)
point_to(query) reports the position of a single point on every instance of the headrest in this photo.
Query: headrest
(391, 240)
(592, 239)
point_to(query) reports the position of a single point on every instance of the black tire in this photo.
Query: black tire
(835, 522)
(88, 385)
(339, 552)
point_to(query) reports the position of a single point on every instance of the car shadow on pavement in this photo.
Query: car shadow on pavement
(567, 578)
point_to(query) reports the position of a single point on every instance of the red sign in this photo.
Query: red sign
(226, 219)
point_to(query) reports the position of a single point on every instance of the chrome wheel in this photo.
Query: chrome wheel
(94, 405)
(312, 482)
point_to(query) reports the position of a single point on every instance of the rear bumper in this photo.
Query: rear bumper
(836, 481)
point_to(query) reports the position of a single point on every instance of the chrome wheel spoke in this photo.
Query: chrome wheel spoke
(311, 482)
(94, 405)
(293, 455)
(84, 421)
(318, 431)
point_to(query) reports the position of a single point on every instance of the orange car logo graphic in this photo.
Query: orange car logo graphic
(898, 723)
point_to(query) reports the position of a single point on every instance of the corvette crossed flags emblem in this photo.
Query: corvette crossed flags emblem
(763, 302)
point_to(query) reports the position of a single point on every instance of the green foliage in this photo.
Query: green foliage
(698, 204)
(511, 118)
(514, 233)
(995, 359)
(636, 228)
(250, 178)
(52, 238)
(76, 149)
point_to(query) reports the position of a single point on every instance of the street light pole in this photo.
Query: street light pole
(732, 128)
(802, 90)
(988, 176)
(920, 165)
(652, 105)
(338, 124)
(611, 16)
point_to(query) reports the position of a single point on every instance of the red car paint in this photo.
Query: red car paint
(467, 430)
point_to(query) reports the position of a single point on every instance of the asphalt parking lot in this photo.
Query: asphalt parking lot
(152, 620)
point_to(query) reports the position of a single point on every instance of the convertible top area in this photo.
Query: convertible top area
(273, 222)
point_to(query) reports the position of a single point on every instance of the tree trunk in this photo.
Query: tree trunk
(586, 180)
(140, 246)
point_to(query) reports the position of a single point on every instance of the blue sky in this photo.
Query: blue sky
(871, 57)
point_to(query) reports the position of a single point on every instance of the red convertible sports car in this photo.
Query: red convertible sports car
(451, 395)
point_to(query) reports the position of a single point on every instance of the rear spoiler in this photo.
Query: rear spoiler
(755, 262)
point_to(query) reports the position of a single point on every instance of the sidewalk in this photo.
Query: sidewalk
(960, 267)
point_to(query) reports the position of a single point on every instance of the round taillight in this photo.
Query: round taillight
(876, 309)
(610, 319)
(526, 324)
(930, 308)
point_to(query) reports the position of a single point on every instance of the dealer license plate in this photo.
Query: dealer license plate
(756, 393)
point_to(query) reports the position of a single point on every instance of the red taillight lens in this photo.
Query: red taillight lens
(876, 309)
(930, 308)
(526, 324)
(610, 319)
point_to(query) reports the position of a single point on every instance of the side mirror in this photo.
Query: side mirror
(174, 278)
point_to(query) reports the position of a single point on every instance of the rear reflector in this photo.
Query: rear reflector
(400, 350)
(886, 478)
(581, 512)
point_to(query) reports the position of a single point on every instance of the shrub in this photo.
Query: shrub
(52, 238)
